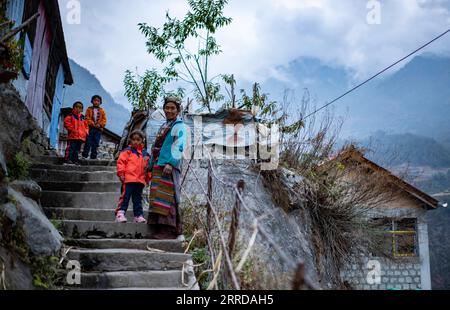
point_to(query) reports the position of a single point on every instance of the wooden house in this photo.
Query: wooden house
(45, 65)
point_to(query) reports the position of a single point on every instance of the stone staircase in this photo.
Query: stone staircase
(112, 256)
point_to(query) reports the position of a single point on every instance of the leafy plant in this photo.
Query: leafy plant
(12, 55)
(269, 112)
(58, 224)
(13, 236)
(45, 272)
(143, 91)
(200, 255)
(19, 167)
(15, 61)
(170, 46)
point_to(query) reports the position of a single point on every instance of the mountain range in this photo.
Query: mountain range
(414, 99)
(86, 85)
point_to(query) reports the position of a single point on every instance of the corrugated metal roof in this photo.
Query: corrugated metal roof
(232, 128)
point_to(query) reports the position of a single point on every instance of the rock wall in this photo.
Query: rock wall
(18, 275)
(19, 131)
(291, 232)
(106, 150)
(26, 233)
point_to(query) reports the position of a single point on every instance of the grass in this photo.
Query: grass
(44, 269)
(45, 272)
(19, 167)
(58, 224)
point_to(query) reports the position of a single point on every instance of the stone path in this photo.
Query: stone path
(112, 256)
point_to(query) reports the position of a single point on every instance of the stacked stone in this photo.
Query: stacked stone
(394, 275)
(106, 151)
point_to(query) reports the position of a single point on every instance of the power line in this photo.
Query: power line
(376, 75)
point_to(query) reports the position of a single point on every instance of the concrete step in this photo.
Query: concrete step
(86, 200)
(127, 279)
(173, 246)
(109, 230)
(73, 168)
(73, 176)
(53, 160)
(110, 260)
(103, 215)
(69, 186)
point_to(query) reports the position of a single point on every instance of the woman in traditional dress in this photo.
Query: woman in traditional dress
(165, 192)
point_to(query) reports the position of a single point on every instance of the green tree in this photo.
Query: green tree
(143, 91)
(169, 45)
(268, 112)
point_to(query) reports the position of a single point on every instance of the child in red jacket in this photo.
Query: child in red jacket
(78, 130)
(131, 169)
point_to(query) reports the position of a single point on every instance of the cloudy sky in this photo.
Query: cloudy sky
(264, 35)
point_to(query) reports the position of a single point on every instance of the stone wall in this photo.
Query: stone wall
(405, 273)
(19, 131)
(25, 231)
(106, 150)
(291, 232)
(399, 274)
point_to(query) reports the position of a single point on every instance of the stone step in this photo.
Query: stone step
(111, 260)
(109, 230)
(69, 186)
(135, 279)
(86, 200)
(103, 215)
(173, 246)
(73, 176)
(74, 168)
(53, 160)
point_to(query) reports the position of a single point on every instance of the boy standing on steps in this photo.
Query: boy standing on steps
(78, 129)
(132, 171)
(96, 118)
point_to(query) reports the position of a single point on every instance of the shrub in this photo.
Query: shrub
(18, 168)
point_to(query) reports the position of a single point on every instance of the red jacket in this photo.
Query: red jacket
(132, 165)
(77, 126)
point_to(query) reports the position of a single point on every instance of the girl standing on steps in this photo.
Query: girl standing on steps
(131, 169)
(164, 214)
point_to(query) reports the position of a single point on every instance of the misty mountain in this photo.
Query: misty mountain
(86, 85)
(415, 99)
(397, 149)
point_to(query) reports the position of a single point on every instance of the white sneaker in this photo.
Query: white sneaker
(120, 218)
(140, 220)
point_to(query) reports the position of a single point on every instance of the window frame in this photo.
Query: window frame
(395, 232)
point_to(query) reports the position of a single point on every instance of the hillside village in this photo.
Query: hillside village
(325, 224)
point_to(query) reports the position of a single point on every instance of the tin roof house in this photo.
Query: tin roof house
(228, 134)
(45, 64)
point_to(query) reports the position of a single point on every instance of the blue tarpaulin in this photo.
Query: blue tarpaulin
(27, 56)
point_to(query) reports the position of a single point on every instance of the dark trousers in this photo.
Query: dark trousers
(92, 143)
(72, 150)
(131, 191)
